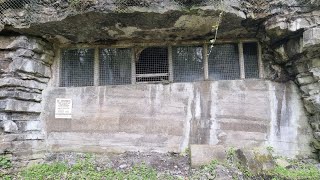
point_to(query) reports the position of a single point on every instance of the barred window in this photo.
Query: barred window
(115, 66)
(223, 62)
(187, 64)
(77, 68)
(152, 65)
(119, 66)
(250, 53)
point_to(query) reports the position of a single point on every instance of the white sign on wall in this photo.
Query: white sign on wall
(63, 108)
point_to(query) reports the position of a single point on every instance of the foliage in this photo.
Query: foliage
(206, 172)
(5, 163)
(270, 149)
(297, 171)
(85, 169)
(231, 154)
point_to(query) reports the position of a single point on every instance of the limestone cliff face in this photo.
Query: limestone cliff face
(289, 31)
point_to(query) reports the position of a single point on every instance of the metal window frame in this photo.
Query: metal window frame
(132, 45)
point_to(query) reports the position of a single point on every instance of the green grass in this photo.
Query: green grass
(298, 171)
(85, 169)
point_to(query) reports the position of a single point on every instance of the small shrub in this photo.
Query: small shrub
(5, 163)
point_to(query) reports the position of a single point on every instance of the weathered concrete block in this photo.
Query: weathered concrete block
(204, 154)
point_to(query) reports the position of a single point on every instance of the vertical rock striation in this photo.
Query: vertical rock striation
(25, 71)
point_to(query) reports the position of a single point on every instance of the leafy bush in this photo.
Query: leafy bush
(5, 163)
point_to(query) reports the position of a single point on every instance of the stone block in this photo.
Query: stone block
(29, 125)
(305, 80)
(204, 154)
(310, 89)
(24, 42)
(281, 54)
(29, 66)
(13, 105)
(315, 72)
(9, 137)
(6, 41)
(293, 47)
(22, 116)
(12, 82)
(317, 135)
(315, 62)
(9, 126)
(311, 37)
(32, 136)
(5, 147)
(20, 95)
(312, 104)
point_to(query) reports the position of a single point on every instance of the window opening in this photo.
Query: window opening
(223, 62)
(152, 65)
(187, 64)
(250, 53)
(115, 66)
(77, 68)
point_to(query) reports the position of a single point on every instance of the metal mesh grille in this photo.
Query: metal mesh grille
(187, 64)
(152, 65)
(9, 9)
(115, 66)
(251, 66)
(77, 68)
(223, 62)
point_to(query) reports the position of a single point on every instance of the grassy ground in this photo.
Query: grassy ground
(85, 168)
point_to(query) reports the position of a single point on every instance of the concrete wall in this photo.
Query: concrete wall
(156, 117)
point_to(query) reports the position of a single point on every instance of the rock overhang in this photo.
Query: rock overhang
(164, 20)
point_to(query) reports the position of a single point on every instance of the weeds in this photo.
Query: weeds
(86, 169)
